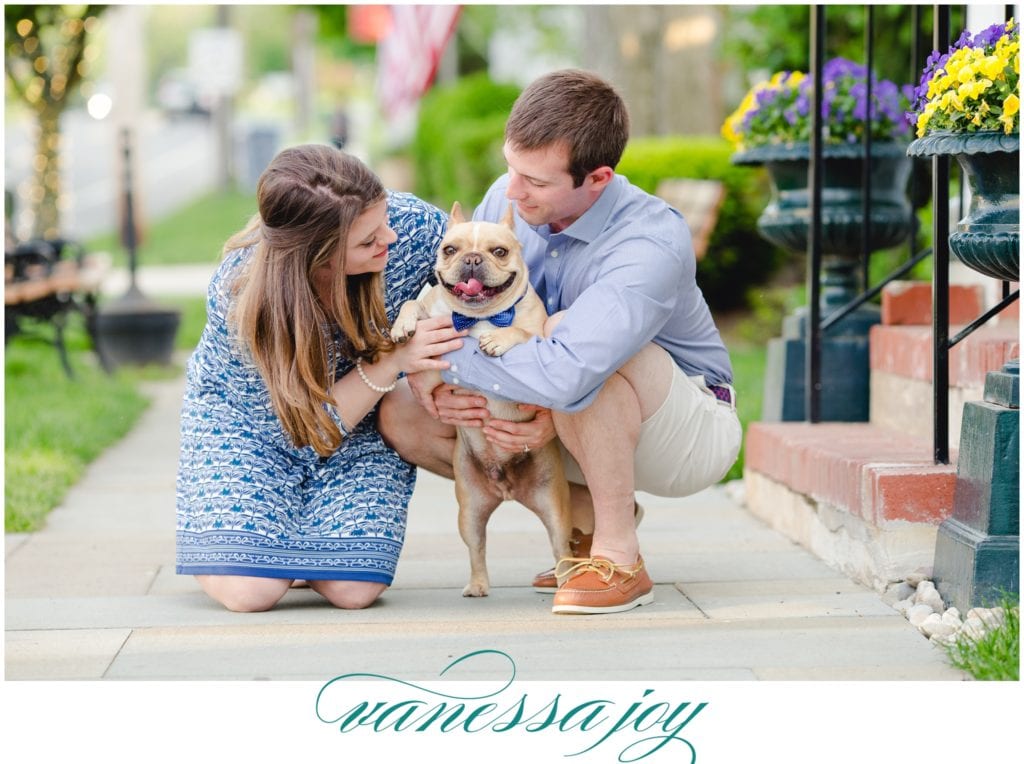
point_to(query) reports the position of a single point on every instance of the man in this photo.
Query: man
(632, 375)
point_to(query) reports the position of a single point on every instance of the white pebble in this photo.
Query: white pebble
(918, 613)
(898, 591)
(933, 625)
(933, 600)
(952, 617)
(903, 606)
(923, 589)
(941, 641)
(993, 618)
(973, 627)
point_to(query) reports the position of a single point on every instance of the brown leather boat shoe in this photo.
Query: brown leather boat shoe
(598, 585)
(579, 544)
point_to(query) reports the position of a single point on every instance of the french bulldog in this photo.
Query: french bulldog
(483, 283)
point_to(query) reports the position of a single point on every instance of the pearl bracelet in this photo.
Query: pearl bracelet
(369, 384)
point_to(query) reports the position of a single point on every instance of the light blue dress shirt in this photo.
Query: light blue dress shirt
(624, 272)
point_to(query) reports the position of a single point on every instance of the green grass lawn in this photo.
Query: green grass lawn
(55, 426)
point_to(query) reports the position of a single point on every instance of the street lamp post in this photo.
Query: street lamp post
(132, 329)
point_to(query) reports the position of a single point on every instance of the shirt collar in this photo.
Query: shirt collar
(589, 225)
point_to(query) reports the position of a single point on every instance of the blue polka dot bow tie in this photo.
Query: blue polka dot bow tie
(502, 319)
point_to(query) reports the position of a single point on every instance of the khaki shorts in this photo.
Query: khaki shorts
(688, 444)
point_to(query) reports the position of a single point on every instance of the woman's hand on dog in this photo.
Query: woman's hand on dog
(517, 436)
(433, 338)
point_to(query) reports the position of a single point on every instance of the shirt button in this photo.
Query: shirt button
(455, 380)
(454, 367)
(554, 253)
(496, 387)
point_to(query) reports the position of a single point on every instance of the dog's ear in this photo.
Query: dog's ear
(456, 215)
(508, 218)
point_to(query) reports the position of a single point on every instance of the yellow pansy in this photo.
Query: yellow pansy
(966, 72)
(1011, 105)
(973, 89)
(991, 66)
(1010, 108)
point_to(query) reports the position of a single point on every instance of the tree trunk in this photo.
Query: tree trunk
(661, 58)
(46, 181)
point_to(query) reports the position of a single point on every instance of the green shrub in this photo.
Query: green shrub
(457, 147)
(736, 257)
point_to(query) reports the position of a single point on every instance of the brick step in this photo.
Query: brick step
(901, 374)
(865, 499)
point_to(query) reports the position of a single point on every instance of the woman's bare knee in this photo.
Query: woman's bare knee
(349, 595)
(245, 594)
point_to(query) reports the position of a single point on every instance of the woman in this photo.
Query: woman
(283, 474)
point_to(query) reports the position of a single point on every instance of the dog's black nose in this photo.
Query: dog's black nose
(472, 259)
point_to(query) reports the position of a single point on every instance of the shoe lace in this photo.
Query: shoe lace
(568, 567)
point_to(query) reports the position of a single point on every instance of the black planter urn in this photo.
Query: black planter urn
(786, 222)
(135, 331)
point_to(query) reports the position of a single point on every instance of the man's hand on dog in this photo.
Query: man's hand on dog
(513, 436)
(463, 408)
(458, 406)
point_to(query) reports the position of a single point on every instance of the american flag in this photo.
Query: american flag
(407, 58)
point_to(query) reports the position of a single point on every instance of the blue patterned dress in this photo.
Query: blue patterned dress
(249, 502)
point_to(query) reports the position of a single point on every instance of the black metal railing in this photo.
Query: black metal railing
(941, 40)
(940, 275)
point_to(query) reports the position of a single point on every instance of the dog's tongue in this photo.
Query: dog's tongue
(469, 288)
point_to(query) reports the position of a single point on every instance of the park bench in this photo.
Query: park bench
(699, 202)
(44, 282)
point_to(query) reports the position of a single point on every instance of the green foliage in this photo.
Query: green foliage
(737, 257)
(332, 30)
(777, 37)
(996, 655)
(457, 147)
(194, 234)
(768, 306)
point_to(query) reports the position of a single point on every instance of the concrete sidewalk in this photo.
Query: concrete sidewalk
(94, 596)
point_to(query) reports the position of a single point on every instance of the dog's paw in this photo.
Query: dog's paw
(497, 342)
(492, 345)
(402, 331)
(475, 589)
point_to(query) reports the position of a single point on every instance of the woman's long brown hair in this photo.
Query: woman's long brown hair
(308, 198)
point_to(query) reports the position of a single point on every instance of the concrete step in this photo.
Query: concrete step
(865, 499)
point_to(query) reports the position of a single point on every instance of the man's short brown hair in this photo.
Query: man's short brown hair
(577, 108)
